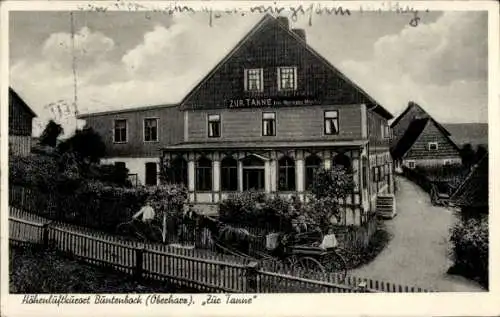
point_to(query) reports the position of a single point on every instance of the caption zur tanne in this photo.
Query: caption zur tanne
(141, 299)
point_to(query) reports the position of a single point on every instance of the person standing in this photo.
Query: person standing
(147, 212)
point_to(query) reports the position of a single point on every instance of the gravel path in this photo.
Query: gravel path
(417, 255)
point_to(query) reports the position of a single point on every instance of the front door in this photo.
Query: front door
(151, 174)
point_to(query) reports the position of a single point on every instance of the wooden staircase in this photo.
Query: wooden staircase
(386, 206)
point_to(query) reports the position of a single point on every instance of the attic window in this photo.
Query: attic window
(254, 79)
(287, 78)
(432, 146)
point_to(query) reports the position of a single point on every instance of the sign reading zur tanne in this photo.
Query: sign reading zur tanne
(270, 102)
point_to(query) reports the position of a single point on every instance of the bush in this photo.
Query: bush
(469, 238)
(110, 174)
(335, 183)
(276, 213)
(98, 205)
(255, 210)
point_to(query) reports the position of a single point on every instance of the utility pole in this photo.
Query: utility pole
(73, 66)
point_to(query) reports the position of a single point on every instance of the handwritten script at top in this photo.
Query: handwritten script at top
(310, 10)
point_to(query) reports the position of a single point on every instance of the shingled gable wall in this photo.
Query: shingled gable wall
(270, 46)
(446, 149)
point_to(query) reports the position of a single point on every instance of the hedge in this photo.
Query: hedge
(470, 244)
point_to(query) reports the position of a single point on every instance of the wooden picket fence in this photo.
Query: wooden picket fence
(199, 269)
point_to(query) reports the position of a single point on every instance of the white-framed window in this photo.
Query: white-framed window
(214, 125)
(287, 78)
(411, 164)
(268, 124)
(151, 129)
(120, 131)
(331, 122)
(384, 130)
(432, 146)
(254, 79)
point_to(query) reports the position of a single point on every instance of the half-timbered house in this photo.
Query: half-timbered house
(271, 113)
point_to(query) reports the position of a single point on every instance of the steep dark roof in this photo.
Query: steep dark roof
(411, 135)
(14, 95)
(411, 105)
(473, 192)
(375, 106)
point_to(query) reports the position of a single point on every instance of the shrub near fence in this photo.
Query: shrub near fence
(100, 210)
(205, 274)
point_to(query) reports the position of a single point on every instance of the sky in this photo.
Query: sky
(134, 59)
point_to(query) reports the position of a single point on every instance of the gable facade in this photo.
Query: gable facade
(323, 120)
(433, 147)
(401, 124)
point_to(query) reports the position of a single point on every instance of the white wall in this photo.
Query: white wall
(135, 165)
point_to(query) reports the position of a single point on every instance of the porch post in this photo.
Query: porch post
(356, 168)
(328, 163)
(267, 176)
(272, 176)
(240, 176)
(216, 180)
(191, 176)
(299, 176)
(391, 179)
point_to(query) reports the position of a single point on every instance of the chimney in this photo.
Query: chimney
(301, 33)
(284, 21)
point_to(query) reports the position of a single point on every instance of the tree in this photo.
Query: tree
(168, 200)
(468, 155)
(85, 143)
(330, 185)
(50, 134)
(480, 152)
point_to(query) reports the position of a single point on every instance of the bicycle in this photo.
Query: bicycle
(148, 232)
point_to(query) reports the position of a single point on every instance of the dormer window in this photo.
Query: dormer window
(432, 146)
(254, 79)
(287, 78)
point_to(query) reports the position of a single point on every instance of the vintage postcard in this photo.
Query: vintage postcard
(249, 158)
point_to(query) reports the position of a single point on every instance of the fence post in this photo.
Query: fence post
(251, 274)
(139, 257)
(45, 235)
(362, 287)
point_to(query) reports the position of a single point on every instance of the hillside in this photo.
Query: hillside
(473, 133)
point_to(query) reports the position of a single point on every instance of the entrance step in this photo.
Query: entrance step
(386, 206)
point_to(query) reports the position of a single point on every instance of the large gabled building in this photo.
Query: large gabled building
(264, 119)
(272, 112)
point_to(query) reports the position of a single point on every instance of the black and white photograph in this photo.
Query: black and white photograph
(172, 149)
